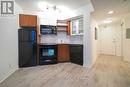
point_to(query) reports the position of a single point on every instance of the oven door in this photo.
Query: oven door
(48, 52)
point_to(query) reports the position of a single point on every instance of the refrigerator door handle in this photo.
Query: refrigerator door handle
(33, 36)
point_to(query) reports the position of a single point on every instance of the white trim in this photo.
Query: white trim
(6, 75)
(87, 67)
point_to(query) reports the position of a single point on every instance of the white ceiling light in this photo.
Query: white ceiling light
(44, 5)
(110, 12)
(59, 11)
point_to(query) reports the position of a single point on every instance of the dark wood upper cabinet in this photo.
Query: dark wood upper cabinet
(27, 20)
(63, 53)
(68, 28)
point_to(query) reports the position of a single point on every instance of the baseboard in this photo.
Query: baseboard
(87, 67)
(5, 76)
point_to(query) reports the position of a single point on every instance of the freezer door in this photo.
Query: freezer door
(27, 35)
(23, 35)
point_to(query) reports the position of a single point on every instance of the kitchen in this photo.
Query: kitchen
(64, 18)
(28, 43)
(60, 41)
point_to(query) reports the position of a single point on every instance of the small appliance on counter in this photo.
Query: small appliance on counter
(27, 47)
(48, 29)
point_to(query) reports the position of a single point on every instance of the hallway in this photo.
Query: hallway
(108, 71)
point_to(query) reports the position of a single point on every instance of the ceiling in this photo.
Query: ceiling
(32, 5)
(120, 7)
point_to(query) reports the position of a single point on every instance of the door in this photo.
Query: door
(63, 53)
(32, 21)
(27, 20)
(23, 20)
(27, 35)
(76, 54)
(25, 54)
(23, 35)
(111, 40)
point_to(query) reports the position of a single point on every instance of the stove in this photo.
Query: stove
(48, 54)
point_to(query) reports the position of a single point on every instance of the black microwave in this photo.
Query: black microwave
(48, 29)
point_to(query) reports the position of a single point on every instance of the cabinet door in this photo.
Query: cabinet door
(32, 21)
(63, 53)
(23, 20)
(76, 26)
(27, 20)
(68, 28)
(80, 26)
(76, 54)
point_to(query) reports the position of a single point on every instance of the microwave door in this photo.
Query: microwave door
(46, 29)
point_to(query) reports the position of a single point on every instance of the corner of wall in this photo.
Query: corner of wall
(6, 75)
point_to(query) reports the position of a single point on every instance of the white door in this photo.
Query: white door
(111, 40)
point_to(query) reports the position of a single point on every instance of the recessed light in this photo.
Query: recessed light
(110, 12)
(108, 21)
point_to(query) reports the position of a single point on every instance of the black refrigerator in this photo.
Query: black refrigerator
(27, 47)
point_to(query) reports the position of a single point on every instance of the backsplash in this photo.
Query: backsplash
(62, 37)
(76, 39)
(49, 39)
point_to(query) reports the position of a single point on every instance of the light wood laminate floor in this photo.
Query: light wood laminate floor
(108, 71)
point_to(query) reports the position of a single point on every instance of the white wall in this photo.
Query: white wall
(126, 42)
(9, 44)
(87, 37)
(95, 43)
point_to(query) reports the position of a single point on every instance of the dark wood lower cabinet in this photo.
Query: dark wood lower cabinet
(63, 53)
(76, 54)
(67, 53)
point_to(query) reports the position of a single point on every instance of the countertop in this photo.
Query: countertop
(58, 43)
(47, 43)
